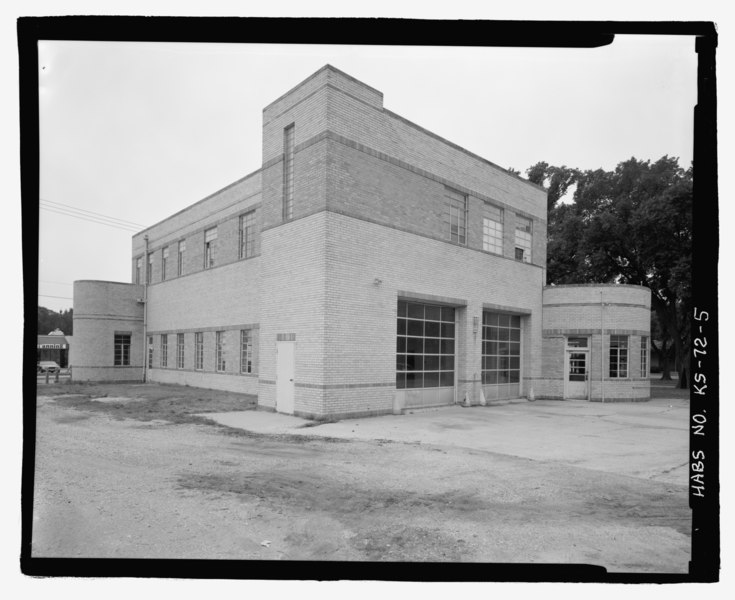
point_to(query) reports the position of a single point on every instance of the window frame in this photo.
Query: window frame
(492, 237)
(180, 350)
(455, 209)
(644, 356)
(149, 350)
(525, 245)
(199, 351)
(163, 359)
(219, 352)
(248, 235)
(122, 343)
(164, 261)
(289, 144)
(618, 355)
(210, 247)
(246, 351)
(181, 250)
(149, 269)
(138, 269)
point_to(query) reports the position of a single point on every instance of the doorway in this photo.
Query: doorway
(285, 367)
(576, 368)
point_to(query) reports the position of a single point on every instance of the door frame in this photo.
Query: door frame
(568, 351)
(286, 390)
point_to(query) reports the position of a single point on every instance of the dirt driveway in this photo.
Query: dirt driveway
(136, 474)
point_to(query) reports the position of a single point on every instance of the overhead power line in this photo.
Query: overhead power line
(92, 213)
(62, 297)
(89, 219)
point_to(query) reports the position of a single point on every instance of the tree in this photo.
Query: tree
(48, 320)
(631, 225)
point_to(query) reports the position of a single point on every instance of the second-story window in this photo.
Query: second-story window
(523, 239)
(210, 247)
(164, 263)
(248, 235)
(492, 229)
(138, 268)
(180, 258)
(288, 151)
(456, 215)
(149, 270)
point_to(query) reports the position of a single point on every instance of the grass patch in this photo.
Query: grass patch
(149, 402)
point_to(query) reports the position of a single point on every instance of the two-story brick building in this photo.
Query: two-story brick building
(368, 266)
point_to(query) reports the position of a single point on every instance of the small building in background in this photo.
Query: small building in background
(54, 346)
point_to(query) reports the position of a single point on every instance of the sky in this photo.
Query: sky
(138, 131)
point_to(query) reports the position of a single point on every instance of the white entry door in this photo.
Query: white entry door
(285, 363)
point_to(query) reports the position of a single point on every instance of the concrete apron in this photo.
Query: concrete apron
(645, 440)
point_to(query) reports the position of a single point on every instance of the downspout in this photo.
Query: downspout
(145, 312)
(602, 349)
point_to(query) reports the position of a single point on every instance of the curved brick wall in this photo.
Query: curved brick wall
(588, 310)
(102, 308)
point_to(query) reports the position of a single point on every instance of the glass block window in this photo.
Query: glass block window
(164, 350)
(492, 229)
(179, 350)
(164, 263)
(199, 350)
(150, 351)
(288, 152)
(122, 350)
(219, 350)
(523, 239)
(455, 216)
(618, 356)
(501, 348)
(248, 235)
(246, 351)
(210, 247)
(644, 356)
(180, 258)
(425, 346)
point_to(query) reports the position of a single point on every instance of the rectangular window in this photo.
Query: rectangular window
(288, 151)
(501, 348)
(179, 350)
(164, 350)
(456, 215)
(424, 346)
(618, 356)
(248, 235)
(122, 349)
(492, 229)
(523, 239)
(246, 351)
(149, 270)
(199, 350)
(180, 258)
(138, 268)
(210, 247)
(150, 351)
(644, 356)
(219, 350)
(164, 263)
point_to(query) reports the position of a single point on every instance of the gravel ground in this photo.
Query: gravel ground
(123, 479)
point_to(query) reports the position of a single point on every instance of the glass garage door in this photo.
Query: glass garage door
(501, 355)
(425, 353)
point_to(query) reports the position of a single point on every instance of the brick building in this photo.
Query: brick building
(368, 266)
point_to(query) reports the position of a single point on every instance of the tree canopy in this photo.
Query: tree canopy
(48, 320)
(631, 225)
